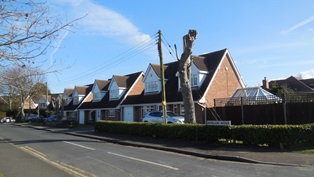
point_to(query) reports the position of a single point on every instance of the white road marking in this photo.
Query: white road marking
(79, 145)
(145, 161)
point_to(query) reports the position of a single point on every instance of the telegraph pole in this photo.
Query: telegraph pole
(162, 71)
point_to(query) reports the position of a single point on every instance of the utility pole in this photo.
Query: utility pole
(162, 71)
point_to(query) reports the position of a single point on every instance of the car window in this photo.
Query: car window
(172, 114)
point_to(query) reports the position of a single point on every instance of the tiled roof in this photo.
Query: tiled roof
(308, 82)
(102, 84)
(82, 90)
(69, 91)
(295, 83)
(124, 81)
(207, 62)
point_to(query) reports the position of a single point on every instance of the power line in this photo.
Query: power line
(127, 55)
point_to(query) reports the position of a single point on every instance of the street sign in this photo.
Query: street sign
(219, 123)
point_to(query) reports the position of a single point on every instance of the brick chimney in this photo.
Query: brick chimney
(265, 84)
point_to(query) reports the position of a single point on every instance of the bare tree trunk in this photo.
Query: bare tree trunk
(185, 77)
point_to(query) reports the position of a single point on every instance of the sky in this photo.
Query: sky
(273, 39)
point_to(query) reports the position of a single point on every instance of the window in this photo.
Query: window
(194, 80)
(96, 96)
(146, 109)
(151, 86)
(114, 94)
(76, 100)
(175, 108)
(182, 111)
(111, 113)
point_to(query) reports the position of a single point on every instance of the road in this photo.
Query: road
(86, 157)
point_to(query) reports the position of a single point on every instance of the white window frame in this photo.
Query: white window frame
(97, 96)
(114, 94)
(111, 113)
(175, 108)
(76, 100)
(194, 80)
(182, 111)
(146, 109)
(151, 86)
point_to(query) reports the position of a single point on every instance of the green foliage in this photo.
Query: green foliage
(280, 90)
(272, 135)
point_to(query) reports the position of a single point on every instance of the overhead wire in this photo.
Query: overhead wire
(168, 46)
(127, 55)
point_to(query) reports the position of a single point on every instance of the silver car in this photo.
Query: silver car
(157, 117)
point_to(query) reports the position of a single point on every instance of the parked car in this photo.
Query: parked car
(29, 117)
(157, 117)
(7, 120)
(51, 119)
(37, 119)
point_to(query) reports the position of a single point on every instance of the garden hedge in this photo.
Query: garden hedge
(271, 135)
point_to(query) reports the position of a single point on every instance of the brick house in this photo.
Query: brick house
(107, 95)
(213, 75)
(79, 95)
(295, 83)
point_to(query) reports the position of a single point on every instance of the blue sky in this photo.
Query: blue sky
(273, 39)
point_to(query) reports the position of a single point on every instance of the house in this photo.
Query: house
(295, 83)
(45, 101)
(213, 75)
(79, 96)
(107, 96)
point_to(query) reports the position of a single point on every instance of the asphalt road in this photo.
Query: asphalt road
(86, 157)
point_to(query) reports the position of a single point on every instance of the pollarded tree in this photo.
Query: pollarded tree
(184, 70)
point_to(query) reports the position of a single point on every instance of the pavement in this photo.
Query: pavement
(197, 149)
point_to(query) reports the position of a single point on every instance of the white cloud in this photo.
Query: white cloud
(103, 21)
(307, 74)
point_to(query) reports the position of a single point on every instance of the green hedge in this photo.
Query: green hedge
(271, 135)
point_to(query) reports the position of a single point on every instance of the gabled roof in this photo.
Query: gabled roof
(296, 84)
(126, 81)
(68, 91)
(156, 68)
(82, 90)
(102, 84)
(308, 82)
(207, 62)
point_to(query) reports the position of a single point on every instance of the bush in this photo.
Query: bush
(271, 135)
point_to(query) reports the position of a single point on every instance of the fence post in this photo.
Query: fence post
(284, 108)
(242, 110)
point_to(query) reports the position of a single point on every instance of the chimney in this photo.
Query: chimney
(265, 84)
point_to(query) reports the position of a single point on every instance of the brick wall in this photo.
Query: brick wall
(224, 84)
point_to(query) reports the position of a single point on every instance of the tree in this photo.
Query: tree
(22, 83)
(185, 76)
(280, 90)
(27, 30)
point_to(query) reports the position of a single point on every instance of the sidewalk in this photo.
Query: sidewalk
(198, 149)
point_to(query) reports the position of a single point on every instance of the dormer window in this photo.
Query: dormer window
(151, 86)
(114, 94)
(76, 100)
(96, 96)
(194, 80)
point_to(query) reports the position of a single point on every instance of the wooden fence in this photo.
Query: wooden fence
(288, 109)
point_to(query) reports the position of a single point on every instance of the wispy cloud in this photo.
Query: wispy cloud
(104, 21)
(307, 74)
(302, 23)
(57, 45)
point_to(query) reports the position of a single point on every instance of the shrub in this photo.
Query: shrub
(272, 135)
